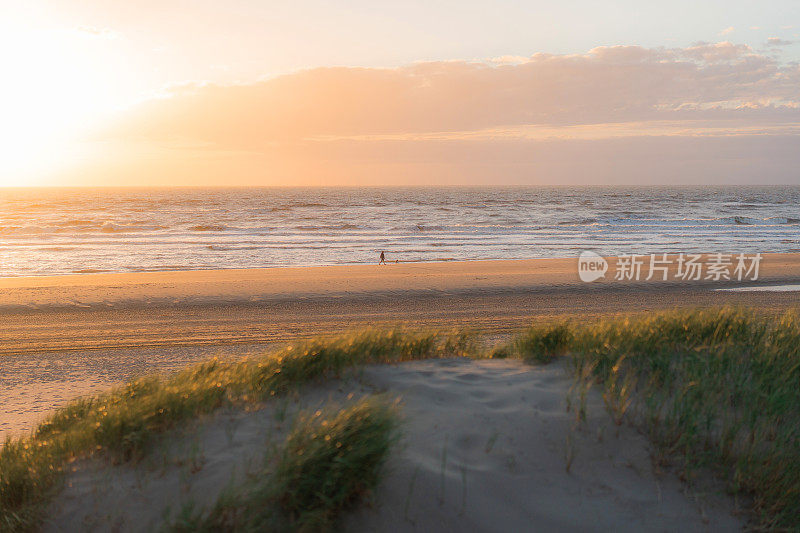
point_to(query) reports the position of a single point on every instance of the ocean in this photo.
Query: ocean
(61, 231)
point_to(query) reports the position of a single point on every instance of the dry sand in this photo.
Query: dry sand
(62, 336)
(485, 448)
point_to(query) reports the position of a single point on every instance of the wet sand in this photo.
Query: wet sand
(63, 336)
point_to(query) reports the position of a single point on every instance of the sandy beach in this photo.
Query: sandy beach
(63, 336)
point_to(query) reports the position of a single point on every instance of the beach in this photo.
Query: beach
(65, 336)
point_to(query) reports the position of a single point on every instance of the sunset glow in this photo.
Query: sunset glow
(103, 93)
(61, 85)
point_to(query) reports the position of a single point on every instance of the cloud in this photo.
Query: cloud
(91, 31)
(509, 60)
(605, 85)
(727, 30)
(717, 52)
(777, 41)
(345, 124)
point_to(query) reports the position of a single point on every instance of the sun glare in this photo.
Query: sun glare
(54, 91)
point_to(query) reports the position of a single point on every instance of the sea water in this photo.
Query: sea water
(78, 230)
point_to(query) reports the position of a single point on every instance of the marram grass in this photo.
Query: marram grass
(718, 388)
(331, 459)
(124, 422)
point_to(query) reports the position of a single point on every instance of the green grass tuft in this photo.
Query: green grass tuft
(331, 460)
(543, 343)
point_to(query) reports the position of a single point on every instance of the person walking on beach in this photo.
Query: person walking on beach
(383, 259)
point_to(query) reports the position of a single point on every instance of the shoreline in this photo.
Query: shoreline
(112, 289)
(449, 260)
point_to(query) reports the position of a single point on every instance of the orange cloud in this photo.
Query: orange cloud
(441, 120)
(777, 41)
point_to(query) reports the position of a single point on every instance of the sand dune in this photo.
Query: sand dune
(485, 448)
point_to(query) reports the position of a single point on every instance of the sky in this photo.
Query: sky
(246, 92)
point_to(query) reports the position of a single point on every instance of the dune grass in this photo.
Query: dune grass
(715, 388)
(124, 422)
(330, 460)
(543, 343)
